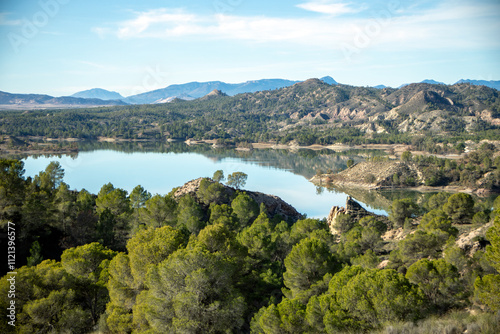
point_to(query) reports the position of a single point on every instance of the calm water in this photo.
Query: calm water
(160, 172)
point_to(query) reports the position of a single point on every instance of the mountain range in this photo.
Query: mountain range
(188, 91)
(39, 101)
(98, 93)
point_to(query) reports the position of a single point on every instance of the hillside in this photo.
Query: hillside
(309, 112)
(475, 172)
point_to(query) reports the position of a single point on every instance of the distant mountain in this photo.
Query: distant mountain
(426, 81)
(491, 83)
(380, 86)
(329, 80)
(98, 93)
(38, 101)
(200, 89)
(213, 95)
(432, 82)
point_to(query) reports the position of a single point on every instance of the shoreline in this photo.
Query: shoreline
(43, 144)
(422, 189)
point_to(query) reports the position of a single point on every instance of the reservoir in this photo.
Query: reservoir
(276, 172)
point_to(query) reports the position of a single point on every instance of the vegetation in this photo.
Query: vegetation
(214, 261)
(307, 113)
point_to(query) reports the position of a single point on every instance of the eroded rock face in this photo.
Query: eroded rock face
(274, 205)
(352, 208)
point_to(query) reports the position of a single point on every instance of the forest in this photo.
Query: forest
(214, 260)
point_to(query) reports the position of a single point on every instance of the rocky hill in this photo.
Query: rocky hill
(372, 175)
(274, 205)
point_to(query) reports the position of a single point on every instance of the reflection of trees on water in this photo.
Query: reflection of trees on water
(303, 162)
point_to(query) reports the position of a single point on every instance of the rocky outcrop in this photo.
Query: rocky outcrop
(274, 205)
(352, 208)
(471, 242)
(373, 175)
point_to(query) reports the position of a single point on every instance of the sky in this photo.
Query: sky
(60, 47)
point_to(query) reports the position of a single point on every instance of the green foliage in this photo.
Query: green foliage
(67, 296)
(343, 223)
(306, 264)
(437, 220)
(402, 209)
(211, 192)
(460, 208)
(193, 291)
(237, 180)
(245, 208)
(487, 290)
(360, 300)
(158, 211)
(406, 156)
(422, 244)
(198, 264)
(286, 317)
(35, 254)
(439, 281)
(190, 214)
(218, 176)
(139, 196)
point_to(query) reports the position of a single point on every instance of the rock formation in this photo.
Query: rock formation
(352, 208)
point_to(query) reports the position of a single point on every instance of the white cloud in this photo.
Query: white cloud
(329, 7)
(453, 24)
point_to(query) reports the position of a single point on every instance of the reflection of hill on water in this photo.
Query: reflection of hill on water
(382, 199)
(302, 162)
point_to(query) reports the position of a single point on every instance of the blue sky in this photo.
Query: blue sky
(59, 47)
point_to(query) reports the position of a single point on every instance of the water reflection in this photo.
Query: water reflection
(159, 167)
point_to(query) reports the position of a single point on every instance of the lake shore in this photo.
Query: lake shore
(44, 145)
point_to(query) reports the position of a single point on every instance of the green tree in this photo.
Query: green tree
(218, 176)
(158, 211)
(138, 197)
(439, 281)
(307, 263)
(237, 180)
(47, 301)
(211, 192)
(258, 238)
(422, 244)
(371, 297)
(51, 178)
(343, 223)
(12, 187)
(88, 268)
(245, 208)
(116, 201)
(151, 246)
(460, 208)
(193, 291)
(190, 214)
(286, 317)
(406, 156)
(35, 254)
(402, 209)
(487, 288)
(436, 201)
